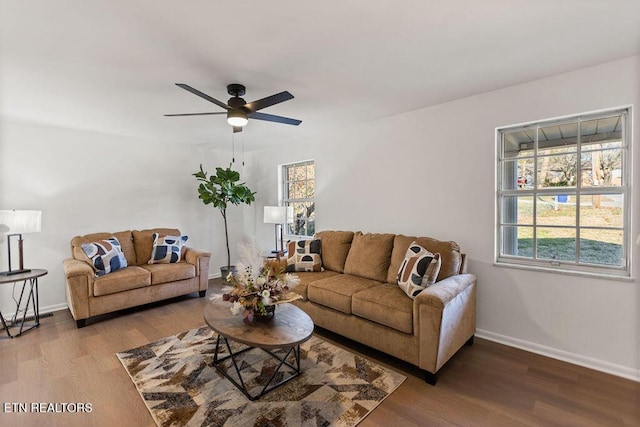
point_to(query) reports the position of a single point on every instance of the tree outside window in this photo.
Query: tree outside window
(298, 182)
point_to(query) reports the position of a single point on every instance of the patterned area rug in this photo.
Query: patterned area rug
(180, 387)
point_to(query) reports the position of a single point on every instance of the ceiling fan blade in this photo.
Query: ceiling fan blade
(272, 118)
(268, 101)
(192, 114)
(237, 129)
(202, 95)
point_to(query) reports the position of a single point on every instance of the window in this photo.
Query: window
(563, 193)
(298, 190)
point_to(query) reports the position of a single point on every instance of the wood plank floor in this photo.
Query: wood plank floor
(487, 384)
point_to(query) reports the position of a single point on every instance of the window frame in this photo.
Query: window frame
(532, 262)
(286, 201)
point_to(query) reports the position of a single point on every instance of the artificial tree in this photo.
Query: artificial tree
(219, 190)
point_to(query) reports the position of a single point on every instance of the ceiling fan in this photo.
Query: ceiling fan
(238, 110)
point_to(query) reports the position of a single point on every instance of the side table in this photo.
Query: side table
(30, 284)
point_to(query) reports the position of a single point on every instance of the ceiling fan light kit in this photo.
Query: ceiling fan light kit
(237, 118)
(238, 111)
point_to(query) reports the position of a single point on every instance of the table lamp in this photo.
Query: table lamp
(17, 223)
(278, 215)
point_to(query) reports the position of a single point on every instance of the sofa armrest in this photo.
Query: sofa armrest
(201, 260)
(79, 280)
(445, 313)
(441, 293)
(74, 267)
(192, 256)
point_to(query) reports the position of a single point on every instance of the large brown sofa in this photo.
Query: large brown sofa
(138, 283)
(357, 296)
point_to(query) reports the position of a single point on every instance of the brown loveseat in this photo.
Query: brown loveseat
(138, 283)
(357, 296)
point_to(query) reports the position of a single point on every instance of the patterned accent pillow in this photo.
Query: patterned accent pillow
(106, 256)
(167, 249)
(304, 255)
(419, 270)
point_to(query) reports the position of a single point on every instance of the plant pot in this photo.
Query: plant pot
(224, 272)
(271, 312)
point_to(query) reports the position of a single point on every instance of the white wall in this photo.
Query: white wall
(88, 182)
(432, 172)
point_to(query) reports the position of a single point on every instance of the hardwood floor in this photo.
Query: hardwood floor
(487, 384)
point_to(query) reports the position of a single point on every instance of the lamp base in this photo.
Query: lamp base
(12, 272)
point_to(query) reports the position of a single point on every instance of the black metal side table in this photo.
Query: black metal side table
(30, 285)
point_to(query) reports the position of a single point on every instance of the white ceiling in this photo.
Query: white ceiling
(110, 66)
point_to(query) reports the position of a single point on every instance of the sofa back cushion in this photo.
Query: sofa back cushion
(370, 256)
(143, 242)
(124, 237)
(335, 248)
(450, 257)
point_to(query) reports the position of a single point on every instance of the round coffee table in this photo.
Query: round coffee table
(289, 328)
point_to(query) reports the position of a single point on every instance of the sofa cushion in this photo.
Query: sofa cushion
(370, 256)
(336, 291)
(450, 257)
(131, 277)
(335, 248)
(308, 277)
(124, 237)
(304, 255)
(167, 249)
(163, 273)
(105, 255)
(387, 305)
(143, 242)
(418, 270)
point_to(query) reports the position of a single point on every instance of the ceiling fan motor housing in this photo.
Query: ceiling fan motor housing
(236, 102)
(236, 91)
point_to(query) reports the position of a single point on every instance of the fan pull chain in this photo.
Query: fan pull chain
(233, 149)
(242, 139)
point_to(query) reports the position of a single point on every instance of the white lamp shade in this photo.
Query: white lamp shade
(289, 215)
(20, 222)
(278, 214)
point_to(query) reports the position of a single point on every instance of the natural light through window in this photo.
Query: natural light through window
(298, 191)
(563, 194)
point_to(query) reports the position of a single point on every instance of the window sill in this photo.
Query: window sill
(294, 237)
(596, 275)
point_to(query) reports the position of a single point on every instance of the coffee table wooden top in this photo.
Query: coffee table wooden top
(289, 327)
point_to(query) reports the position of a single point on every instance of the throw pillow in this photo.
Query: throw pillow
(106, 256)
(418, 270)
(167, 249)
(304, 255)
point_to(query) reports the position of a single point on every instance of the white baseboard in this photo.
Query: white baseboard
(55, 307)
(576, 359)
(43, 310)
